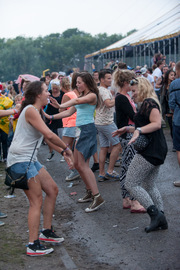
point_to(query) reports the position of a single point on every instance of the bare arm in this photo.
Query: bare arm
(109, 103)
(9, 112)
(34, 118)
(60, 115)
(90, 99)
(64, 99)
(155, 124)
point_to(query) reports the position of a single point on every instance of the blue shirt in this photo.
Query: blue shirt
(174, 100)
(85, 114)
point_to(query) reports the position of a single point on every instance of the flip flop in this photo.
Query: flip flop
(140, 211)
(127, 207)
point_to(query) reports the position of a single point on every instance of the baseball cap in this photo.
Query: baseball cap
(143, 70)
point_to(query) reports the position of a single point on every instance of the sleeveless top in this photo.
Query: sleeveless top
(71, 120)
(24, 141)
(85, 114)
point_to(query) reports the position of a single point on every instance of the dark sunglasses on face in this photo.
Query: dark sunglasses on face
(133, 81)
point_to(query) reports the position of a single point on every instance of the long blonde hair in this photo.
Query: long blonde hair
(146, 90)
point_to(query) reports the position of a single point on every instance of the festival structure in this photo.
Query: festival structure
(162, 35)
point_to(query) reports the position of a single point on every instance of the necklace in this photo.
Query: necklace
(87, 93)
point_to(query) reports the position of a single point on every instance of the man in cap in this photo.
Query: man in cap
(147, 75)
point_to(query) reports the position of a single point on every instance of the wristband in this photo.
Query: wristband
(127, 129)
(15, 111)
(66, 149)
(51, 118)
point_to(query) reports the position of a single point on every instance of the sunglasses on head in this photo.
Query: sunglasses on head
(133, 81)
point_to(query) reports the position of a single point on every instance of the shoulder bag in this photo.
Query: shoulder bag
(18, 180)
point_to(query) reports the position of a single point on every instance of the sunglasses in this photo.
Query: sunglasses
(133, 81)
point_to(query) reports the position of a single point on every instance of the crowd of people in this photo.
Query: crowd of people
(118, 104)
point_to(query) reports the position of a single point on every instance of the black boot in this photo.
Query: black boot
(158, 219)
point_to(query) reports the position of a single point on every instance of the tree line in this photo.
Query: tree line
(57, 52)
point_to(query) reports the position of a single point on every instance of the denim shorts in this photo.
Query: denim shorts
(21, 167)
(69, 132)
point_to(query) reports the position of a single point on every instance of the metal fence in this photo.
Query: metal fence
(138, 55)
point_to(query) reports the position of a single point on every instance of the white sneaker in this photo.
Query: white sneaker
(62, 159)
(73, 175)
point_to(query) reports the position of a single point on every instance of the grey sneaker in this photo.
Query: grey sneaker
(2, 215)
(118, 163)
(114, 175)
(73, 175)
(97, 202)
(1, 223)
(87, 198)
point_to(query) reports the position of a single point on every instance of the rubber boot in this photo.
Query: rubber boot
(158, 219)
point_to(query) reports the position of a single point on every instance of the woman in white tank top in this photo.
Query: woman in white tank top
(30, 129)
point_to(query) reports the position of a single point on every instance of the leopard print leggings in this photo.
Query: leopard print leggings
(141, 182)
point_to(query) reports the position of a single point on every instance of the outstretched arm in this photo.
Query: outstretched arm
(63, 114)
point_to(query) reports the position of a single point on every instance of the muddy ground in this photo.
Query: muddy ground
(111, 238)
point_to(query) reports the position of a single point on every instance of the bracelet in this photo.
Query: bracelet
(51, 117)
(15, 111)
(66, 149)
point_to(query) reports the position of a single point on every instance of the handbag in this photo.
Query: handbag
(141, 143)
(18, 180)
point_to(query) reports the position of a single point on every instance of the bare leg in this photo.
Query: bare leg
(50, 188)
(85, 172)
(68, 140)
(178, 156)
(113, 157)
(34, 195)
(95, 157)
(102, 159)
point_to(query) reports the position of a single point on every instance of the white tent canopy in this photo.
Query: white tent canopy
(165, 27)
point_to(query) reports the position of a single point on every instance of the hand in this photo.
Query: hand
(17, 107)
(54, 102)
(134, 137)
(68, 156)
(119, 132)
(46, 115)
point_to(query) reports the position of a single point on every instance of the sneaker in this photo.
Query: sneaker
(107, 160)
(176, 184)
(62, 159)
(97, 202)
(102, 178)
(49, 236)
(2, 215)
(118, 163)
(73, 175)
(37, 249)
(114, 175)
(87, 198)
(95, 167)
(1, 223)
(51, 155)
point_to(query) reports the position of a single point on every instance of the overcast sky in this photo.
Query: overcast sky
(33, 18)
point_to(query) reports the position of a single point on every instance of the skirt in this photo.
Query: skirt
(87, 142)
